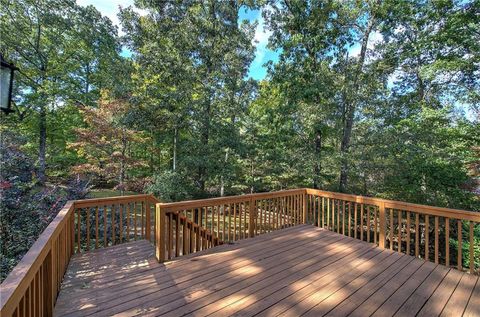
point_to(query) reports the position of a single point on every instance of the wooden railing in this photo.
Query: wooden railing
(432, 233)
(31, 288)
(192, 226)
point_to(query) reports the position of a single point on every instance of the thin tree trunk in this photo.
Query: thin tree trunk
(222, 181)
(42, 148)
(350, 106)
(175, 138)
(317, 159)
(123, 163)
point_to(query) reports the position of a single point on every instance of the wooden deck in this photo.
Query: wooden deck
(302, 270)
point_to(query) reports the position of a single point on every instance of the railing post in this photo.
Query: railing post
(304, 208)
(251, 218)
(160, 233)
(148, 225)
(383, 222)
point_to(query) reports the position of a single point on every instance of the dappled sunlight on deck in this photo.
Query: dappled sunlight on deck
(302, 270)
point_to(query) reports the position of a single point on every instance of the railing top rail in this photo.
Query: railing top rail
(400, 205)
(20, 277)
(175, 206)
(117, 200)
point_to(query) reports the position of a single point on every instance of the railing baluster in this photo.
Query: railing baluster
(408, 232)
(368, 223)
(399, 238)
(459, 252)
(417, 235)
(96, 227)
(427, 235)
(436, 240)
(355, 227)
(361, 222)
(375, 225)
(87, 217)
(391, 229)
(78, 231)
(338, 216)
(349, 219)
(343, 217)
(177, 233)
(447, 241)
(113, 225)
(128, 206)
(472, 262)
(120, 222)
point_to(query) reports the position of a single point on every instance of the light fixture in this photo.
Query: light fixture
(6, 85)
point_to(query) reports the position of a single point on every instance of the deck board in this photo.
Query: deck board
(302, 270)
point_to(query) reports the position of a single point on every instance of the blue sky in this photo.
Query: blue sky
(257, 71)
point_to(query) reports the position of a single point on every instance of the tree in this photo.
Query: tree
(108, 147)
(60, 49)
(193, 59)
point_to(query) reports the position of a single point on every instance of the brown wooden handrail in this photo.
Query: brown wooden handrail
(408, 228)
(31, 288)
(190, 226)
(226, 219)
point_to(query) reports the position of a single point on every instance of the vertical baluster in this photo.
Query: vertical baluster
(96, 227)
(78, 231)
(170, 235)
(88, 228)
(229, 222)
(427, 242)
(470, 236)
(447, 242)
(343, 217)
(436, 239)
(185, 237)
(135, 220)
(245, 220)
(235, 222)
(223, 210)
(349, 219)
(128, 222)
(361, 222)
(120, 223)
(113, 224)
(338, 216)
(212, 219)
(391, 229)
(218, 222)
(105, 231)
(399, 238)
(355, 220)
(177, 233)
(328, 213)
(142, 220)
(408, 233)
(375, 224)
(459, 253)
(368, 223)
(417, 234)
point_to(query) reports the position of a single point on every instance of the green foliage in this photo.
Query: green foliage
(367, 97)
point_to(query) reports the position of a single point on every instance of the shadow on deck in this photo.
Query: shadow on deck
(302, 270)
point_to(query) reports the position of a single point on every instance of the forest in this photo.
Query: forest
(376, 98)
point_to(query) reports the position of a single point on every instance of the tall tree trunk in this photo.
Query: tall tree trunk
(121, 179)
(222, 180)
(202, 170)
(351, 104)
(317, 160)
(42, 148)
(175, 139)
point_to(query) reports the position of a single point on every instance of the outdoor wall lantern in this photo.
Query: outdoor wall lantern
(6, 85)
